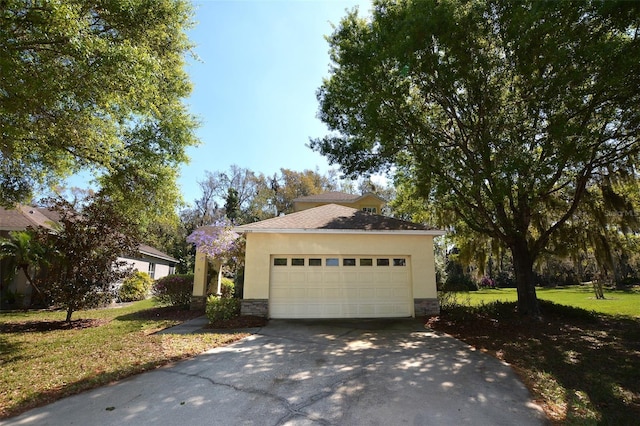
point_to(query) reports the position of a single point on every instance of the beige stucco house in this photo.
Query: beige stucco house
(334, 261)
(368, 202)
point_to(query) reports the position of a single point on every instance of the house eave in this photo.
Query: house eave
(155, 256)
(433, 232)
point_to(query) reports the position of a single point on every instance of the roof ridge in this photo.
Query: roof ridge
(334, 217)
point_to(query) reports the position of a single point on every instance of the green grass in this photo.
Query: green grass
(40, 364)
(616, 302)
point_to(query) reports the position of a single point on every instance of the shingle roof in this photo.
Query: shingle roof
(23, 216)
(333, 217)
(154, 252)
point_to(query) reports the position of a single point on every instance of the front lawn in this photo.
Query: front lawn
(582, 367)
(616, 302)
(43, 359)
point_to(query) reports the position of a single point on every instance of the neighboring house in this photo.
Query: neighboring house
(148, 259)
(368, 202)
(152, 261)
(333, 261)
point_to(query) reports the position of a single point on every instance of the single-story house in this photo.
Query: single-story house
(334, 261)
(147, 259)
(152, 261)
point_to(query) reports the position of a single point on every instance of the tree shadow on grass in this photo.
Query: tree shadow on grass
(43, 326)
(9, 351)
(162, 313)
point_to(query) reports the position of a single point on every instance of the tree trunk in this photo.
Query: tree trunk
(523, 268)
(69, 312)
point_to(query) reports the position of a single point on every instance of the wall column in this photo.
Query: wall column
(198, 298)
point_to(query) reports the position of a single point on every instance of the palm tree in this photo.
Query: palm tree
(24, 253)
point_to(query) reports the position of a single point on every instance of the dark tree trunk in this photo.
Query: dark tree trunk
(69, 312)
(523, 269)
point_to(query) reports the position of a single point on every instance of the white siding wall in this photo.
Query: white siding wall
(142, 265)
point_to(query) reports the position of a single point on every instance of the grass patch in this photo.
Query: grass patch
(616, 302)
(582, 367)
(43, 360)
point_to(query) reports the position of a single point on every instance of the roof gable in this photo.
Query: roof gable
(334, 217)
(336, 197)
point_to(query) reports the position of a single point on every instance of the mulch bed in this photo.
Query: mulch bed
(243, 321)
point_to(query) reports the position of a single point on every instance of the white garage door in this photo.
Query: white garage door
(340, 287)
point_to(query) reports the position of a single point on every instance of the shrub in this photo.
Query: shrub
(134, 288)
(458, 278)
(219, 308)
(227, 287)
(238, 283)
(174, 290)
(487, 282)
(627, 283)
(505, 280)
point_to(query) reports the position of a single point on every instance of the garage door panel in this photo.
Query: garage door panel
(349, 276)
(316, 293)
(399, 277)
(299, 276)
(352, 293)
(279, 276)
(383, 277)
(365, 277)
(343, 291)
(333, 310)
(314, 277)
(367, 294)
(384, 293)
(333, 293)
(331, 277)
(367, 310)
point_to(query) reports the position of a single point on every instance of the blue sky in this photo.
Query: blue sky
(254, 85)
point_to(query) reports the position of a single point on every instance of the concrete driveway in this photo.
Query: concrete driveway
(366, 372)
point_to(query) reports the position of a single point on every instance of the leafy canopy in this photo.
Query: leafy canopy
(95, 86)
(500, 113)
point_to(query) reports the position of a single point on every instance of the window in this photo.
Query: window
(315, 262)
(366, 262)
(348, 262)
(331, 261)
(399, 262)
(296, 261)
(280, 261)
(172, 270)
(152, 270)
(382, 262)
(370, 209)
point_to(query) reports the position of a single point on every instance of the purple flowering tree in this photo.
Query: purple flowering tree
(221, 245)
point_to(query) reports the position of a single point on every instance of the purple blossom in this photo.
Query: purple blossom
(217, 240)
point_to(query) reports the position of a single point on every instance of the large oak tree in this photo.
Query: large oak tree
(501, 113)
(95, 85)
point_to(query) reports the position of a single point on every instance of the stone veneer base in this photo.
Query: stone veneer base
(426, 307)
(198, 303)
(257, 307)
